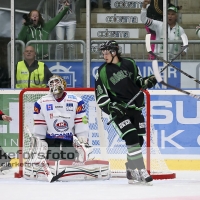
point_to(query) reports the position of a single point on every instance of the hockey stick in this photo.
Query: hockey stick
(145, 87)
(45, 166)
(185, 42)
(159, 80)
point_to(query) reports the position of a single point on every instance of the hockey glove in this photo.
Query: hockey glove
(116, 109)
(150, 82)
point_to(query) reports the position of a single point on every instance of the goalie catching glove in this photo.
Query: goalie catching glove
(116, 109)
(150, 81)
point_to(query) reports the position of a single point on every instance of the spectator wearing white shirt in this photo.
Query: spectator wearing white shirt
(174, 30)
(198, 30)
(66, 27)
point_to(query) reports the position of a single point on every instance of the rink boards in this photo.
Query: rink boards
(175, 117)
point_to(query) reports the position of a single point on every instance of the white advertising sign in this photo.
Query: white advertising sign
(116, 33)
(125, 4)
(119, 18)
(193, 69)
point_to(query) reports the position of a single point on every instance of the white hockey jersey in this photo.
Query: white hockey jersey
(60, 120)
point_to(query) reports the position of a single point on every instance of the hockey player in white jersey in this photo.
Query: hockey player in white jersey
(61, 115)
(60, 131)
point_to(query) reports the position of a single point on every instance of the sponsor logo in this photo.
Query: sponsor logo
(113, 34)
(47, 100)
(65, 136)
(69, 106)
(128, 4)
(24, 72)
(124, 123)
(71, 97)
(142, 125)
(49, 107)
(60, 126)
(78, 163)
(58, 106)
(122, 19)
(85, 120)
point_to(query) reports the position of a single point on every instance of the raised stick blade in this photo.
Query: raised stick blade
(156, 71)
(185, 39)
(148, 42)
(55, 178)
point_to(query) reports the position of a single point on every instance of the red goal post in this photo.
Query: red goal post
(101, 135)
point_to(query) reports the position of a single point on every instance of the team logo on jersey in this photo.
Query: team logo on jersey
(80, 108)
(36, 110)
(49, 107)
(69, 107)
(60, 126)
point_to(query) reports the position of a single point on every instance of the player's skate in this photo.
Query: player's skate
(145, 177)
(133, 176)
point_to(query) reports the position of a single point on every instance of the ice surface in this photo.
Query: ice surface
(185, 187)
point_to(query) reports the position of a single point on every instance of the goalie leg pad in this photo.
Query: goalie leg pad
(80, 171)
(37, 153)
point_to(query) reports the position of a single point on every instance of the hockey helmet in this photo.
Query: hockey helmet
(111, 46)
(57, 84)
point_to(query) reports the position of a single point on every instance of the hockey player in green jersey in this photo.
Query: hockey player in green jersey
(117, 81)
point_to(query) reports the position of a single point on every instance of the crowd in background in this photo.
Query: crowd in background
(61, 25)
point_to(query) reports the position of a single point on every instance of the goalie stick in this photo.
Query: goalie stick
(45, 166)
(159, 80)
(185, 45)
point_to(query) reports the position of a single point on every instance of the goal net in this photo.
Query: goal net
(105, 141)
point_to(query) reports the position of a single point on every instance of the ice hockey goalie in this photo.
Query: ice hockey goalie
(60, 136)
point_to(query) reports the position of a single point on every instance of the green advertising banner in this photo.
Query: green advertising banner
(9, 104)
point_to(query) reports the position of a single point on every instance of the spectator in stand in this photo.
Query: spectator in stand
(155, 11)
(198, 30)
(4, 79)
(36, 29)
(31, 73)
(174, 30)
(66, 26)
(106, 4)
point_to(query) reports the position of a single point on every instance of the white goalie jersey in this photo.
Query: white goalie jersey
(60, 119)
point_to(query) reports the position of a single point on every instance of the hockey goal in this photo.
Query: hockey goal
(104, 139)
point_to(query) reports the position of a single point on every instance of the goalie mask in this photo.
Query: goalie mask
(57, 84)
